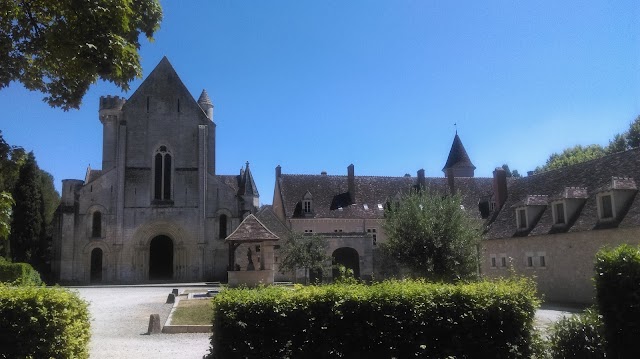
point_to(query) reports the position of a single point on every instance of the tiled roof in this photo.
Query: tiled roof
(232, 181)
(247, 184)
(458, 156)
(92, 175)
(330, 198)
(267, 217)
(613, 172)
(251, 230)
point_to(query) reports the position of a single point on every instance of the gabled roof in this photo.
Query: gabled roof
(612, 172)
(163, 80)
(331, 198)
(267, 217)
(251, 230)
(458, 156)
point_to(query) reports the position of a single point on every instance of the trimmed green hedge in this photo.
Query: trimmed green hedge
(40, 322)
(578, 336)
(18, 273)
(618, 296)
(401, 319)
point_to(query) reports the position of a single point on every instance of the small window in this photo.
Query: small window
(308, 231)
(522, 218)
(258, 249)
(96, 225)
(606, 207)
(306, 205)
(493, 262)
(543, 262)
(559, 207)
(503, 261)
(529, 261)
(222, 229)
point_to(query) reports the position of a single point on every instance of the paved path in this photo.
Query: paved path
(120, 318)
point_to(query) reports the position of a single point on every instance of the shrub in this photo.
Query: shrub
(617, 292)
(19, 274)
(40, 322)
(578, 336)
(399, 319)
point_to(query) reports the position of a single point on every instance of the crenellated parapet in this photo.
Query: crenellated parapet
(110, 106)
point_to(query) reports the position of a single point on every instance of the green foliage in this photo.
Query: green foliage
(572, 156)
(509, 173)
(617, 292)
(26, 227)
(308, 252)
(6, 202)
(633, 134)
(432, 235)
(401, 319)
(41, 322)
(18, 274)
(62, 47)
(579, 336)
(617, 144)
(345, 275)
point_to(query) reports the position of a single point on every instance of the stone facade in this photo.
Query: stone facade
(156, 210)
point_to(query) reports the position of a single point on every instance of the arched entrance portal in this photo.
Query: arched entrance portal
(161, 258)
(96, 265)
(347, 257)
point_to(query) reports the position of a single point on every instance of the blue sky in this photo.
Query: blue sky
(316, 85)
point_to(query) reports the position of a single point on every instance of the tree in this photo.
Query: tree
(572, 156)
(308, 252)
(6, 202)
(26, 227)
(617, 144)
(432, 235)
(62, 47)
(509, 173)
(633, 134)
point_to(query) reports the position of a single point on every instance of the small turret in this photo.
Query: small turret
(458, 163)
(248, 190)
(110, 113)
(205, 104)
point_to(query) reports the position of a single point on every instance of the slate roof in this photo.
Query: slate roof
(251, 230)
(92, 175)
(458, 156)
(204, 100)
(242, 184)
(267, 217)
(330, 198)
(580, 182)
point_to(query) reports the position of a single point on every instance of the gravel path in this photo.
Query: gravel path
(120, 318)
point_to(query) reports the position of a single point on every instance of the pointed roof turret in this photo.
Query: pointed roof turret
(204, 100)
(248, 185)
(459, 160)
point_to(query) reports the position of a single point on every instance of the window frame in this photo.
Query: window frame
(556, 213)
(600, 204)
(522, 211)
(162, 187)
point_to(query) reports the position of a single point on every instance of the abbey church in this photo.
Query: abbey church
(157, 209)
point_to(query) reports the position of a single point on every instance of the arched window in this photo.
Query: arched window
(162, 175)
(96, 225)
(223, 227)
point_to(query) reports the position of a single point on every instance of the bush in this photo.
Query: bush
(399, 319)
(617, 294)
(578, 336)
(40, 322)
(19, 274)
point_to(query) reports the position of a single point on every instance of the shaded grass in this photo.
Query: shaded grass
(193, 312)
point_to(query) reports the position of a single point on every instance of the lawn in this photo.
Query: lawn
(193, 312)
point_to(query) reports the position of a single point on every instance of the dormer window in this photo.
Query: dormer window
(521, 218)
(307, 203)
(558, 213)
(605, 204)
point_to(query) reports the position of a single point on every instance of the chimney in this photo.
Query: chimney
(451, 180)
(351, 183)
(422, 183)
(278, 171)
(500, 186)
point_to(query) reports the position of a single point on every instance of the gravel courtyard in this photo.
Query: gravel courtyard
(120, 318)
